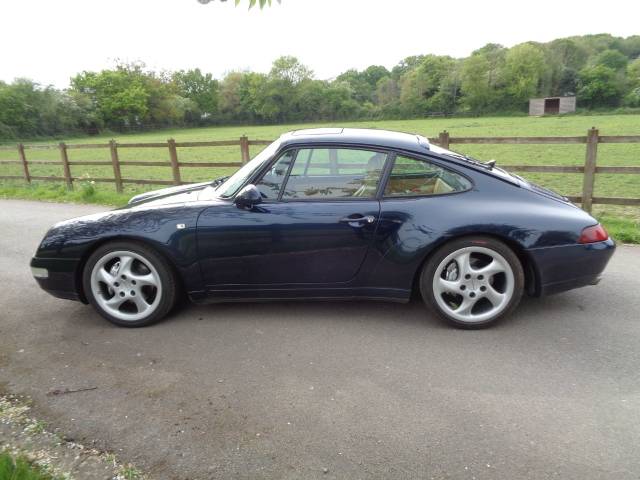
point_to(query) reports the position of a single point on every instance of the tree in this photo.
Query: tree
(598, 87)
(482, 81)
(290, 69)
(612, 59)
(363, 90)
(431, 86)
(567, 83)
(119, 97)
(523, 71)
(405, 65)
(477, 84)
(201, 89)
(230, 105)
(630, 46)
(633, 75)
(568, 53)
(374, 73)
(309, 100)
(387, 91)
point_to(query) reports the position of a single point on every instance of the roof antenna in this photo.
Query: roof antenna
(491, 164)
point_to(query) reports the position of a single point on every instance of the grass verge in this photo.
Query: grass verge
(83, 193)
(621, 229)
(19, 468)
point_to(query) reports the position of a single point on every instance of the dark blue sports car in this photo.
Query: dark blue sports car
(331, 214)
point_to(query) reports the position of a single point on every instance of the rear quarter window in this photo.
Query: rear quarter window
(416, 177)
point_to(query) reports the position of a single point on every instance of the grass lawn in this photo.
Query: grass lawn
(627, 218)
(21, 469)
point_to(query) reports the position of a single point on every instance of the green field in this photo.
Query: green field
(568, 184)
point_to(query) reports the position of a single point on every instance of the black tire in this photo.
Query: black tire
(430, 268)
(166, 275)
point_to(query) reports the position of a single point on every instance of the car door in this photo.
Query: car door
(318, 217)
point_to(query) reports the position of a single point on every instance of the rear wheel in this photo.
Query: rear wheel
(473, 282)
(129, 284)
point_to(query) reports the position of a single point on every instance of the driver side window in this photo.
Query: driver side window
(271, 182)
(321, 173)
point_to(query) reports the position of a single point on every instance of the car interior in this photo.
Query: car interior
(339, 173)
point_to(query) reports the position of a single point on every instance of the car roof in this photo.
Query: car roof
(357, 136)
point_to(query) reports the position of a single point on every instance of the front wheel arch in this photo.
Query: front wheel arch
(123, 238)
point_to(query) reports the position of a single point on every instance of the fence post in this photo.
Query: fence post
(115, 161)
(173, 156)
(588, 180)
(244, 149)
(25, 165)
(65, 165)
(443, 139)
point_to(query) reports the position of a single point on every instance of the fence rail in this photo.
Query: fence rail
(589, 169)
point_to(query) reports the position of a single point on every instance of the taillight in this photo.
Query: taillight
(596, 233)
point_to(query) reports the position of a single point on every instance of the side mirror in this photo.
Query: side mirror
(248, 197)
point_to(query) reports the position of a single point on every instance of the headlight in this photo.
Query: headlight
(39, 272)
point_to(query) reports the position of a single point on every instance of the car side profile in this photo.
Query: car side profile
(331, 214)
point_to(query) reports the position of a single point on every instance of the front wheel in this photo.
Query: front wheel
(129, 284)
(473, 282)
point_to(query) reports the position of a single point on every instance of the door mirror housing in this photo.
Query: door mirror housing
(248, 197)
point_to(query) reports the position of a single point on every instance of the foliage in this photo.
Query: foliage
(262, 3)
(598, 86)
(603, 70)
(200, 89)
(524, 69)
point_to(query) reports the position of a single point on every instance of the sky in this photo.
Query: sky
(51, 40)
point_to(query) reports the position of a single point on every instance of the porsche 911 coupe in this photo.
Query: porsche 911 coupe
(331, 214)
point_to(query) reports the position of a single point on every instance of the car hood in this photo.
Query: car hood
(167, 196)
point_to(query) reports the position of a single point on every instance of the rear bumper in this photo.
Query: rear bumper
(570, 266)
(57, 276)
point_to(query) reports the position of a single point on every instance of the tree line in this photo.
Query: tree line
(602, 70)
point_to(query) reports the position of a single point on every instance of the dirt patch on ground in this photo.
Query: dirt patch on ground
(23, 435)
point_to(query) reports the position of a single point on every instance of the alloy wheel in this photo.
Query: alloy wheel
(126, 285)
(473, 284)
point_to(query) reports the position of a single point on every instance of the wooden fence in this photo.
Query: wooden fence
(589, 169)
(116, 163)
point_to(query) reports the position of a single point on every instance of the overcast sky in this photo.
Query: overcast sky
(51, 40)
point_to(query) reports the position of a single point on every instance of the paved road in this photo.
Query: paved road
(365, 390)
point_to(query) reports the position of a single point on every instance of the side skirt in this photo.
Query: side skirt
(277, 295)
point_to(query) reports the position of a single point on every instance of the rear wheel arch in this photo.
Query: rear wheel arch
(483, 281)
(532, 284)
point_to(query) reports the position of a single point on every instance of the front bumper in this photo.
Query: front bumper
(57, 276)
(570, 266)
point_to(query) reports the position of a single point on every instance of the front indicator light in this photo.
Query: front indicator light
(38, 272)
(595, 233)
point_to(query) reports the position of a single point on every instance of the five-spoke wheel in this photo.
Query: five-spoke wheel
(472, 282)
(129, 284)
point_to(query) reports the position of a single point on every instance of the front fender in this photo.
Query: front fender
(170, 230)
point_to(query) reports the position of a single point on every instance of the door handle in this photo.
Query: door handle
(362, 219)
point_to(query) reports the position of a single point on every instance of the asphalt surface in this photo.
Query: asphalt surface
(332, 390)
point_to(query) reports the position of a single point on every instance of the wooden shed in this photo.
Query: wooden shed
(552, 105)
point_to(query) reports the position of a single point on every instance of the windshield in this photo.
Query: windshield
(238, 179)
